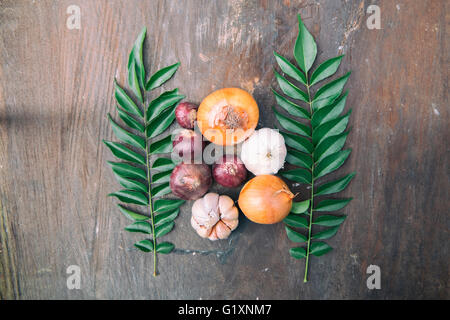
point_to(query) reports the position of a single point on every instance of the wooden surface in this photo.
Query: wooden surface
(56, 87)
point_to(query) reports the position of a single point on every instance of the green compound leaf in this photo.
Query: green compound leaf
(145, 184)
(296, 221)
(161, 76)
(289, 69)
(319, 248)
(315, 144)
(144, 245)
(140, 226)
(164, 247)
(305, 49)
(295, 236)
(332, 204)
(297, 253)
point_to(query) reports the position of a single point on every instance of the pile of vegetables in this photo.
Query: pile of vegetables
(225, 119)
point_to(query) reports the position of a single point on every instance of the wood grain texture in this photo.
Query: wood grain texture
(56, 87)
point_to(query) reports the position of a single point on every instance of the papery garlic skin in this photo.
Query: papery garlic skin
(214, 216)
(264, 152)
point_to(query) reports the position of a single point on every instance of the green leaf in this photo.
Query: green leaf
(330, 128)
(334, 186)
(329, 112)
(126, 136)
(130, 121)
(298, 158)
(292, 125)
(295, 236)
(165, 100)
(163, 205)
(296, 221)
(130, 214)
(137, 58)
(166, 216)
(292, 108)
(125, 102)
(289, 89)
(319, 248)
(326, 69)
(297, 175)
(331, 163)
(144, 245)
(289, 69)
(319, 104)
(133, 81)
(300, 207)
(126, 170)
(163, 164)
(163, 145)
(326, 234)
(329, 146)
(161, 76)
(332, 88)
(129, 184)
(124, 153)
(329, 221)
(160, 123)
(161, 190)
(297, 253)
(140, 226)
(164, 247)
(297, 142)
(164, 229)
(161, 177)
(305, 49)
(332, 204)
(130, 196)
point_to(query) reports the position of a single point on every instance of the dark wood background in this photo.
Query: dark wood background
(56, 87)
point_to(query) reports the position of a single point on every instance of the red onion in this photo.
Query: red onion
(190, 181)
(229, 171)
(186, 114)
(188, 146)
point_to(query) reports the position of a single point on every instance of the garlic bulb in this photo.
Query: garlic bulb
(264, 152)
(214, 216)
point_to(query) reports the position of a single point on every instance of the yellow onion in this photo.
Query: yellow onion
(266, 199)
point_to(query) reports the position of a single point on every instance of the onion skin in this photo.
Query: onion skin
(188, 146)
(190, 181)
(186, 114)
(265, 199)
(229, 171)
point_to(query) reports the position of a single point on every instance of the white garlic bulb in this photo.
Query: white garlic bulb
(214, 216)
(264, 152)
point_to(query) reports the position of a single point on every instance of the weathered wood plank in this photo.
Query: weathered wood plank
(56, 88)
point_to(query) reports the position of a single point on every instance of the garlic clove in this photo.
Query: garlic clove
(201, 230)
(221, 231)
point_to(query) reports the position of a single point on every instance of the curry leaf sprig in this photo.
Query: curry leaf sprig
(315, 144)
(144, 183)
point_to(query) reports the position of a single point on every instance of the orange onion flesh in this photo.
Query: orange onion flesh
(266, 199)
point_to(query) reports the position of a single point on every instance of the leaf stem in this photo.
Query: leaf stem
(305, 279)
(150, 204)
